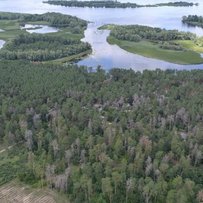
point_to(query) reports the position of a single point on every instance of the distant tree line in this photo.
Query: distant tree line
(54, 19)
(10, 16)
(113, 4)
(193, 20)
(139, 32)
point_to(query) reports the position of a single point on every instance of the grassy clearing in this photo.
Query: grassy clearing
(106, 27)
(9, 24)
(11, 29)
(152, 50)
(188, 44)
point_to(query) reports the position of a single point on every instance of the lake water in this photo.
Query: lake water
(112, 56)
(40, 29)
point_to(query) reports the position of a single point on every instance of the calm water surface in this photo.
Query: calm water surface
(40, 29)
(112, 56)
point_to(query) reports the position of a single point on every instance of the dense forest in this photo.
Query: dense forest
(53, 19)
(193, 20)
(103, 137)
(165, 38)
(114, 4)
(64, 44)
(37, 47)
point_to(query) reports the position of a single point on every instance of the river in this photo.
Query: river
(109, 56)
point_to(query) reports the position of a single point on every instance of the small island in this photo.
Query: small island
(115, 4)
(61, 46)
(193, 20)
(168, 45)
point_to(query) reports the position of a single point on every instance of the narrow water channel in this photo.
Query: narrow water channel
(109, 56)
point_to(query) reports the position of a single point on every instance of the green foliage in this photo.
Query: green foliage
(121, 136)
(11, 164)
(138, 32)
(193, 20)
(27, 177)
(53, 19)
(37, 47)
(113, 4)
(168, 45)
(42, 47)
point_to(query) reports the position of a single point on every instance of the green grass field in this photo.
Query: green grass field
(188, 44)
(148, 49)
(11, 29)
